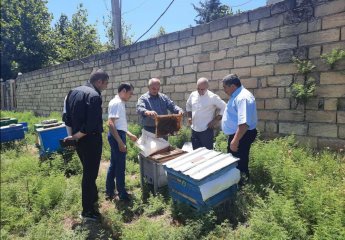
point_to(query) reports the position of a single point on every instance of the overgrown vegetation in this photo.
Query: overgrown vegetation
(302, 92)
(333, 57)
(210, 10)
(294, 193)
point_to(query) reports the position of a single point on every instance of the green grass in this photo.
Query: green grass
(293, 193)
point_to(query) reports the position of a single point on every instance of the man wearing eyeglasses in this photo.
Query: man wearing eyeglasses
(239, 120)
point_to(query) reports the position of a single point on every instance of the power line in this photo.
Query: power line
(155, 21)
(241, 4)
(140, 5)
(106, 5)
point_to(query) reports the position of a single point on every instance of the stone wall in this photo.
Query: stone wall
(257, 45)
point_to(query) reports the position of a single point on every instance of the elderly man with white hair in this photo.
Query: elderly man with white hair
(154, 103)
(204, 111)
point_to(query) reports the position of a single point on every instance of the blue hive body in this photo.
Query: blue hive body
(203, 178)
(49, 138)
(25, 126)
(11, 132)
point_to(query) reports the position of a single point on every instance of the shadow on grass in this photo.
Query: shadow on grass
(95, 230)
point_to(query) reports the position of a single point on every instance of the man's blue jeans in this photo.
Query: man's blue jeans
(116, 170)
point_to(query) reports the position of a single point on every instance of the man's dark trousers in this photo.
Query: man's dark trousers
(89, 149)
(117, 168)
(202, 139)
(243, 150)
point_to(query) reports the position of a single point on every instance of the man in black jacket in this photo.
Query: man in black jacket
(84, 117)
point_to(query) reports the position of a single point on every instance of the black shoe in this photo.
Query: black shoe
(91, 216)
(109, 197)
(125, 198)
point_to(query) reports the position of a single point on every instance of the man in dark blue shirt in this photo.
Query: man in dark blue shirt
(84, 117)
(154, 103)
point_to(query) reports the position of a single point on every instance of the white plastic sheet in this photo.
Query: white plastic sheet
(149, 144)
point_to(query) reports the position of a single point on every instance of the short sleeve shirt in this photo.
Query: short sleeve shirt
(117, 110)
(240, 109)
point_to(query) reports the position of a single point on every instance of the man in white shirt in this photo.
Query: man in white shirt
(118, 129)
(201, 107)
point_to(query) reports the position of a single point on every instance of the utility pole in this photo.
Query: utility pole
(116, 25)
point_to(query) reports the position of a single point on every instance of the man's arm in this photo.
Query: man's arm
(241, 130)
(132, 136)
(220, 105)
(94, 115)
(189, 115)
(115, 134)
(242, 124)
(141, 109)
(172, 107)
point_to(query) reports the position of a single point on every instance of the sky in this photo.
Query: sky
(139, 15)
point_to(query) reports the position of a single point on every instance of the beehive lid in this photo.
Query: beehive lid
(167, 124)
(166, 155)
(50, 128)
(201, 163)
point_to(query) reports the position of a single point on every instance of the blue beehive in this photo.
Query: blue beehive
(202, 178)
(25, 126)
(11, 132)
(49, 138)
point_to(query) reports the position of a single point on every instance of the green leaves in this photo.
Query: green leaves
(210, 10)
(75, 39)
(303, 66)
(302, 92)
(334, 56)
(26, 37)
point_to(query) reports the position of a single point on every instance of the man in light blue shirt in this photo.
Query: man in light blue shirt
(239, 120)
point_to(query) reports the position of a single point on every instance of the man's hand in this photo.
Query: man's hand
(68, 138)
(234, 145)
(132, 137)
(212, 124)
(122, 147)
(76, 136)
(151, 114)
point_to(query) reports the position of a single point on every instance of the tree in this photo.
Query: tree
(210, 10)
(161, 31)
(26, 36)
(76, 39)
(61, 28)
(127, 39)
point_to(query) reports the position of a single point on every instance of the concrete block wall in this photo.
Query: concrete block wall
(257, 45)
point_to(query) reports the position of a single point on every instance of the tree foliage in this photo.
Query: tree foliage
(210, 10)
(161, 31)
(26, 39)
(28, 42)
(127, 38)
(76, 39)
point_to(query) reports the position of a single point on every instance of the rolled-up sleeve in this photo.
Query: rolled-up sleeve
(220, 104)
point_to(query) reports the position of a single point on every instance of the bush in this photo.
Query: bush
(221, 143)
(183, 136)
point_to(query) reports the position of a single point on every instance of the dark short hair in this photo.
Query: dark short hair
(232, 79)
(126, 86)
(98, 74)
